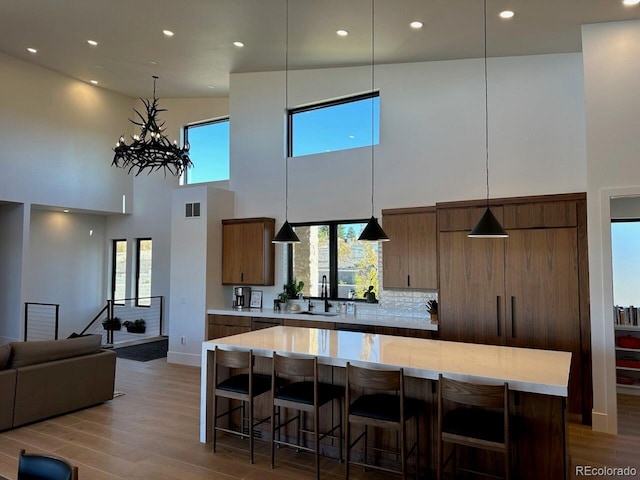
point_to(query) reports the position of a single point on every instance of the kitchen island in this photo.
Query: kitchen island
(538, 381)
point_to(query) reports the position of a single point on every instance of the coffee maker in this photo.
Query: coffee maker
(241, 297)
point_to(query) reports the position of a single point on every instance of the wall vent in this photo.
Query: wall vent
(192, 210)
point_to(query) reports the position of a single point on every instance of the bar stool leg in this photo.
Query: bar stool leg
(273, 433)
(347, 446)
(403, 448)
(215, 419)
(340, 400)
(251, 431)
(316, 435)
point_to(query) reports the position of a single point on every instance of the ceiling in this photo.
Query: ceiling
(197, 60)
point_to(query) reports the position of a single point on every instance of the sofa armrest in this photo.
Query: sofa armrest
(62, 386)
(7, 397)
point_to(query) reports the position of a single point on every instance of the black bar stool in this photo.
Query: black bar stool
(473, 427)
(243, 385)
(303, 393)
(45, 467)
(387, 407)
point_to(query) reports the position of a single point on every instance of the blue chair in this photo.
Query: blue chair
(45, 467)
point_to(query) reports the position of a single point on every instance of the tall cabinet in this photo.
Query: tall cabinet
(527, 290)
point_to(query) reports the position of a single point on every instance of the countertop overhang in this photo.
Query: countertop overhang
(526, 370)
(363, 318)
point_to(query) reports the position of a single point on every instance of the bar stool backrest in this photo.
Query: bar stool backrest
(382, 380)
(485, 396)
(232, 359)
(295, 366)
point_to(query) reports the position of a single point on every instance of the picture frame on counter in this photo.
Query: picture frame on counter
(256, 299)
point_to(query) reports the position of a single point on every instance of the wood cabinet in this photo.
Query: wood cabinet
(219, 326)
(527, 290)
(247, 251)
(258, 323)
(409, 259)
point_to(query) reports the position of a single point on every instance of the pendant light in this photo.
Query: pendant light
(488, 226)
(286, 233)
(373, 232)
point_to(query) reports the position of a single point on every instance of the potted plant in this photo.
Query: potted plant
(112, 324)
(291, 293)
(137, 326)
(432, 308)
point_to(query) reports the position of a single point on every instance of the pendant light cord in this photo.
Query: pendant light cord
(372, 101)
(286, 109)
(155, 77)
(486, 102)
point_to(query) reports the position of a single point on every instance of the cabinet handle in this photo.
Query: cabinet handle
(408, 280)
(498, 315)
(513, 314)
(242, 276)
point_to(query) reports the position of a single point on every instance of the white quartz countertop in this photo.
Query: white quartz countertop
(526, 370)
(360, 318)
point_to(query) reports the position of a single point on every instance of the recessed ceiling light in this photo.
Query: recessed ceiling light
(168, 33)
(342, 33)
(416, 25)
(95, 82)
(506, 14)
(93, 43)
(32, 50)
(630, 3)
(99, 66)
(66, 210)
(153, 63)
(211, 86)
(238, 44)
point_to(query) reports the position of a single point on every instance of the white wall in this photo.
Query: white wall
(12, 225)
(432, 146)
(64, 265)
(196, 272)
(611, 72)
(56, 135)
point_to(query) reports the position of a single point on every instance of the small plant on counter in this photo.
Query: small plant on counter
(291, 290)
(432, 308)
(137, 326)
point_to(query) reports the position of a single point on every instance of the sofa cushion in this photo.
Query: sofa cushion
(31, 353)
(5, 353)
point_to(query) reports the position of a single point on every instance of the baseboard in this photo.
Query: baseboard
(184, 358)
(601, 423)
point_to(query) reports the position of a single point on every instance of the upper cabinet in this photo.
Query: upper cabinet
(409, 259)
(247, 251)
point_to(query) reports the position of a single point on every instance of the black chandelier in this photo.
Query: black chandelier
(151, 149)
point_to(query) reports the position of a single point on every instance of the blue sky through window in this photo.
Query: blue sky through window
(335, 127)
(209, 152)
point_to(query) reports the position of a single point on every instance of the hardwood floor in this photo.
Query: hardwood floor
(151, 432)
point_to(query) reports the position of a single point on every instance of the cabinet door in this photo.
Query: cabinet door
(253, 254)
(471, 299)
(542, 294)
(421, 250)
(231, 254)
(409, 259)
(395, 270)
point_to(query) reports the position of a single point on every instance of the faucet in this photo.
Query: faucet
(324, 293)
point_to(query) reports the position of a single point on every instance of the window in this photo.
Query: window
(626, 262)
(333, 249)
(119, 270)
(143, 272)
(208, 150)
(336, 125)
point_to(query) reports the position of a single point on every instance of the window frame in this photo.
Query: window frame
(137, 276)
(185, 134)
(333, 255)
(318, 106)
(114, 260)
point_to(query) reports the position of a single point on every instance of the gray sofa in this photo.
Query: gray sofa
(47, 378)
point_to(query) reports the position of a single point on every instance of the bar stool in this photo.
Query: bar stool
(473, 427)
(305, 394)
(386, 408)
(243, 386)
